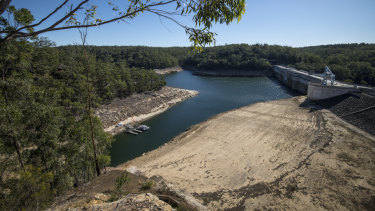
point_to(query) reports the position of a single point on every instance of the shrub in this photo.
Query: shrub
(147, 185)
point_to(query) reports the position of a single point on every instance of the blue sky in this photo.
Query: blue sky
(294, 23)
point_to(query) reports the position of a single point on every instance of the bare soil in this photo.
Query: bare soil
(286, 155)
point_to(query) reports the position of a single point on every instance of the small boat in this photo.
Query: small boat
(143, 127)
(119, 124)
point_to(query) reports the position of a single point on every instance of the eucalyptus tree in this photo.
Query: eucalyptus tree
(44, 146)
(20, 23)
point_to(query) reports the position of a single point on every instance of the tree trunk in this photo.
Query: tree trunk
(4, 4)
(98, 172)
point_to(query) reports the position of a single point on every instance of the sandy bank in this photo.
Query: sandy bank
(168, 70)
(286, 154)
(140, 107)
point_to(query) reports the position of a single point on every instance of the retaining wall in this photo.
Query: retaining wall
(318, 91)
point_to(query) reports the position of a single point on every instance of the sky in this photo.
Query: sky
(295, 23)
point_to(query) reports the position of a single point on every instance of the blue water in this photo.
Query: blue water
(217, 95)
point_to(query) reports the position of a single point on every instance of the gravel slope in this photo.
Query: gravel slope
(357, 109)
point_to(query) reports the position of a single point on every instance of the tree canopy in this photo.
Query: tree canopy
(20, 23)
(50, 141)
(45, 130)
(353, 63)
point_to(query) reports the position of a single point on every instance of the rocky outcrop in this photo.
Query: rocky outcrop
(144, 201)
(140, 107)
(168, 70)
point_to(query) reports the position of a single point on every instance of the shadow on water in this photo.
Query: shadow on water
(217, 95)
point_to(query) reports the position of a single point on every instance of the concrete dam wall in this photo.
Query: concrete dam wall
(295, 79)
(310, 85)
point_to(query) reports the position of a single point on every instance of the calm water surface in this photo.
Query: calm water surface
(217, 94)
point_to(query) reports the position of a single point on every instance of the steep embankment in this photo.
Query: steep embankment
(286, 154)
(140, 107)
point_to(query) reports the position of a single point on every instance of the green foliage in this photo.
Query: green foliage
(83, 14)
(241, 57)
(121, 182)
(205, 14)
(32, 189)
(138, 57)
(45, 131)
(16, 18)
(111, 76)
(147, 185)
(353, 62)
(350, 62)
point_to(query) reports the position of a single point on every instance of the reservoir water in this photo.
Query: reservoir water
(216, 95)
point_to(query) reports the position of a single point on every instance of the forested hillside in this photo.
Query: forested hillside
(242, 57)
(350, 62)
(49, 139)
(138, 56)
(353, 63)
(51, 142)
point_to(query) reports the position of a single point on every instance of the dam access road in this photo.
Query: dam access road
(286, 154)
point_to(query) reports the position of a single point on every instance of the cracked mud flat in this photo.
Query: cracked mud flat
(284, 155)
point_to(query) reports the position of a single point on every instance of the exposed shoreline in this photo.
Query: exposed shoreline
(168, 70)
(140, 107)
(269, 155)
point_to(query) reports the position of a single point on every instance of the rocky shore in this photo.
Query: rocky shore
(168, 70)
(140, 107)
(287, 154)
(98, 195)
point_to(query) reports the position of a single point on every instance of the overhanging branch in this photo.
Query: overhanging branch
(19, 34)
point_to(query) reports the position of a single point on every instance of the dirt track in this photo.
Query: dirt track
(285, 155)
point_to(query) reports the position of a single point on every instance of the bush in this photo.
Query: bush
(121, 182)
(147, 185)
